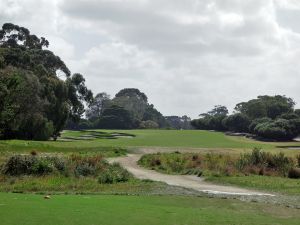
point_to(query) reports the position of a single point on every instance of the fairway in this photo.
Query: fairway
(143, 138)
(29, 209)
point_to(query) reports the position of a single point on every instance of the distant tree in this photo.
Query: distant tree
(266, 106)
(148, 124)
(289, 116)
(132, 100)
(116, 117)
(132, 93)
(237, 122)
(257, 121)
(152, 114)
(97, 106)
(218, 110)
(280, 129)
(212, 120)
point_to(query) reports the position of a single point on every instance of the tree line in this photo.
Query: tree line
(39, 96)
(128, 109)
(267, 117)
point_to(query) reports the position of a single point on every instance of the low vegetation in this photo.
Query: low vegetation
(65, 170)
(275, 167)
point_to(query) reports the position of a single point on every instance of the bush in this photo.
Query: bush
(27, 165)
(259, 162)
(114, 174)
(41, 167)
(255, 122)
(280, 129)
(237, 122)
(19, 164)
(294, 173)
(106, 177)
(298, 160)
(84, 169)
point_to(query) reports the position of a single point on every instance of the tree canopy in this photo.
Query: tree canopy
(269, 117)
(35, 103)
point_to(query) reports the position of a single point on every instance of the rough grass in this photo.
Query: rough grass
(135, 210)
(270, 184)
(62, 184)
(223, 169)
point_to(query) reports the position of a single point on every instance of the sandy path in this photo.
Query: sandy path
(193, 182)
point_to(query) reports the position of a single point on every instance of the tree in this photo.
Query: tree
(212, 120)
(149, 124)
(132, 100)
(116, 117)
(36, 103)
(237, 122)
(152, 114)
(266, 106)
(218, 110)
(257, 121)
(280, 129)
(132, 93)
(98, 105)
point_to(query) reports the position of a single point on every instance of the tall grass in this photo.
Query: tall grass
(257, 162)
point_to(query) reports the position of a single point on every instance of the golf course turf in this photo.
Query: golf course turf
(31, 209)
(16, 209)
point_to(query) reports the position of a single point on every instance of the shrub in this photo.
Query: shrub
(27, 164)
(87, 165)
(84, 169)
(237, 122)
(41, 167)
(105, 177)
(298, 160)
(114, 174)
(280, 129)
(19, 164)
(294, 173)
(259, 162)
(255, 122)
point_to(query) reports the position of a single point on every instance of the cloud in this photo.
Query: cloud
(185, 55)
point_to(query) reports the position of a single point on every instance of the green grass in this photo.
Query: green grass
(62, 184)
(30, 209)
(265, 183)
(144, 138)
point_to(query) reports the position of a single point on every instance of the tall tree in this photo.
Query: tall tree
(132, 100)
(37, 102)
(98, 105)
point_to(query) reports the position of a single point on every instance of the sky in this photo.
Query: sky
(186, 56)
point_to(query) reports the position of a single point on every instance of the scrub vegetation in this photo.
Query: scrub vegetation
(282, 173)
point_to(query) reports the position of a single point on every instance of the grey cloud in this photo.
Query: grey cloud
(185, 55)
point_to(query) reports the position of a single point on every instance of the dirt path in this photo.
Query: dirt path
(186, 181)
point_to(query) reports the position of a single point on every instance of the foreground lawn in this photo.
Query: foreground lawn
(142, 138)
(28, 209)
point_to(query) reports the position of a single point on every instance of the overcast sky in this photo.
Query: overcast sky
(186, 55)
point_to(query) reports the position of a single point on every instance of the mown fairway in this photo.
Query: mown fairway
(142, 138)
(69, 209)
